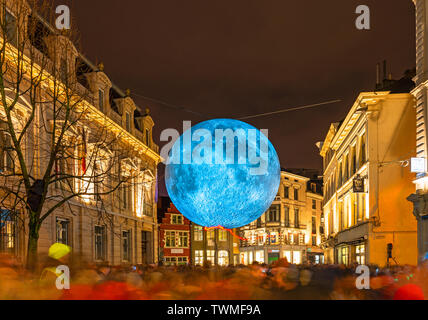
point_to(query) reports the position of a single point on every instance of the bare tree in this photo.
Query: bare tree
(55, 146)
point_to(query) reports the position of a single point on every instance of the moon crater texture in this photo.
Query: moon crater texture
(224, 193)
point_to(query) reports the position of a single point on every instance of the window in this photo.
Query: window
(313, 187)
(346, 165)
(170, 240)
(353, 161)
(198, 233)
(7, 232)
(126, 245)
(340, 174)
(273, 238)
(260, 256)
(128, 121)
(223, 258)
(287, 255)
(360, 254)
(101, 99)
(181, 261)
(211, 256)
(210, 237)
(296, 218)
(287, 192)
(62, 231)
(363, 153)
(341, 216)
(296, 194)
(100, 243)
(301, 239)
(343, 255)
(7, 153)
(314, 225)
(314, 204)
(199, 257)
(287, 216)
(125, 196)
(176, 219)
(170, 261)
(222, 235)
(297, 257)
(183, 239)
(314, 240)
(259, 223)
(11, 28)
(273, 215)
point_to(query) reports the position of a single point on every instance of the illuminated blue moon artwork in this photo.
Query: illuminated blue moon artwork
(228, 185)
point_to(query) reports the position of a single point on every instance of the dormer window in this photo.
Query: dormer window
(101, 99)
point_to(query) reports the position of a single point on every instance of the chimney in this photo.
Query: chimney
(377, 74)
(384, 69)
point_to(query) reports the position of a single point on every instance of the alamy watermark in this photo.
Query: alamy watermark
(363, 20)
(252, 148)
(63, 278)
(63, 20)
(362, 282)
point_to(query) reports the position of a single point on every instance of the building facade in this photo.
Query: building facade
(126, 232)
(174, 238)
(366, 179)
(420, 197)
(289, 229)
(215, 247)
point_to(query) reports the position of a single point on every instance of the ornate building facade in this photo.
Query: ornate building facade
(420, 197)
(366, 179)
(290, 228)
(126, 231)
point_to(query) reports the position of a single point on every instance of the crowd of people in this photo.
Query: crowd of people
(280, 280)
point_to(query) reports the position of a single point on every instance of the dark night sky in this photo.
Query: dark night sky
(235, 58)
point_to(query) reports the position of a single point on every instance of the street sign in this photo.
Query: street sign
(358, 185)
(417, 165)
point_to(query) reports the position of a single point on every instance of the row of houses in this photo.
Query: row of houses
(290, 229)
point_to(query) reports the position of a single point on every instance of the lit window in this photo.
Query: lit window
(62, 231)
(198, 233)
(222, 235)
(211, 256)
(223, 258)
(260, 256)
(199, 257)
(297, 257)
(7, 231)
(287, 255)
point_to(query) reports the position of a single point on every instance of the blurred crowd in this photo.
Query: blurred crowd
(280, 280)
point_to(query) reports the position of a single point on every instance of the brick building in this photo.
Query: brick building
(174, 238)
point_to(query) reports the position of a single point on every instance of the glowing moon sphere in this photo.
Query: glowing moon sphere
(222, 172)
